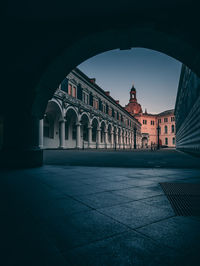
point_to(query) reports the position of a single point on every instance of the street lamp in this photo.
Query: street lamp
(158, 134)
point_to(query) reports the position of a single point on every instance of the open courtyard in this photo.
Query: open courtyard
(79, 215)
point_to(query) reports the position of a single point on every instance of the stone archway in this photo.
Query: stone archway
(144, 142)
(52, 119)
(36, 73)
(71, 128)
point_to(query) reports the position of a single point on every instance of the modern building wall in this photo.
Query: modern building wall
(1, 132)
(82, 115)
(187, 111)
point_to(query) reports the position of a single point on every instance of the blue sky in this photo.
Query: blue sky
(155, 76)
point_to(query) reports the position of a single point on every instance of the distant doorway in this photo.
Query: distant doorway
(144, 142)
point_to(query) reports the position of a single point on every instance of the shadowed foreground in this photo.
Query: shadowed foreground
(72, 215)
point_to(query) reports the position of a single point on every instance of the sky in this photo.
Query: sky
(154, 75)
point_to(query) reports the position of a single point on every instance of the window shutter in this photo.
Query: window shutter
(100, 105)
(91, 99)
(79, 92)
(64, 85)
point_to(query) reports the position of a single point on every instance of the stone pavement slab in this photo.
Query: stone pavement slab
(75, 215)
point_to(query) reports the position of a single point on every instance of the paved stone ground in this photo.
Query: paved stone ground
(76, 215)
(164, 158)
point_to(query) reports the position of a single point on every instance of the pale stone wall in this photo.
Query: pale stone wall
(149, 127)
(69, 120)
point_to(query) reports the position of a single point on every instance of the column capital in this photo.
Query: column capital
(62, 120)
(78, 124)
(90, 127)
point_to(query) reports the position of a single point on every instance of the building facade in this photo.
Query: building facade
(82, 115)
(165, 121)
(187, 111)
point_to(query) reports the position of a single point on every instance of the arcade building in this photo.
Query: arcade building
(151, 123)
(82, 115)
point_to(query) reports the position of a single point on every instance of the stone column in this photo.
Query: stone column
(98, 137)
(120, 140)
(62, 133)
(117, 139)
(78, 135)
(124, 139)
(89, 136)
(131, 140)
(112, 138)
(106, 137)
(41, 130)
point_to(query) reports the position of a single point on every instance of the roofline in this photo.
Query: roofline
(95, 86)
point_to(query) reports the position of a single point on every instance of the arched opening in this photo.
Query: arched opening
(110, 135)
(71, 128)
(103, 134)
(51, 123)
(84, 130)
(94, 131)
(144, 142)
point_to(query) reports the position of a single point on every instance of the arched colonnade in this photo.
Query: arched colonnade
(72, 127)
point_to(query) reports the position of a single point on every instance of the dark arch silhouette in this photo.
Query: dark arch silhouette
(126, 38)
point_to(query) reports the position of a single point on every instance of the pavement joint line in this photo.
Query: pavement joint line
(94, 241)
(133, 229)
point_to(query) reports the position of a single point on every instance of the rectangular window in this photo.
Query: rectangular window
(95, 103)
(166, 141)
(144, 122)
(74, 92)
(85, 98)
(173, 141)
(172, 118)
(152, 122)
(70, 89)
(165, 119)
(159, 120)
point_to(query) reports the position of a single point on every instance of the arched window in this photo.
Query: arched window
(166, 141)
(173, 141)
(165, 129)
(172, 128)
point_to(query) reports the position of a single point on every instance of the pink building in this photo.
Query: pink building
(150, 123)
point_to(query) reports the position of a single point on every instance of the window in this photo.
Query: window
(95, 103)
(172, 118)
(144, 122)
(172, 128)
(74, 91)
(166, 141)
(69, 89)
(173, 141)
(165, 129)
(109, 111)
(165, 119)
(152, 122)
(85, 98)
(103, 108)
(159, 120)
